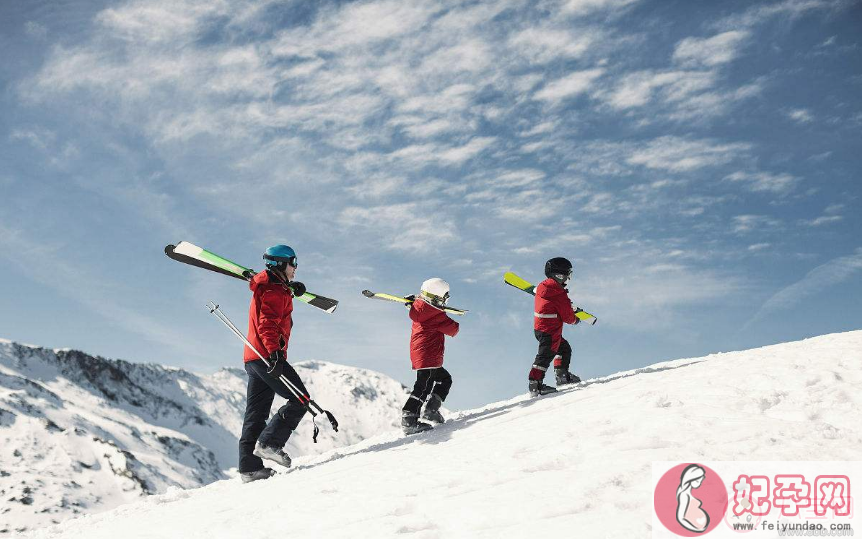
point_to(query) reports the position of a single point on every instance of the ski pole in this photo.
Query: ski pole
(305, 400)
(292, 387)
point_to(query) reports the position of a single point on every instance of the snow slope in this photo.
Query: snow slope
(81, 434)
(573, 464)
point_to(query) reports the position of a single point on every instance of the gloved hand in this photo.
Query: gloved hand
(577, 310)
(297, 287)
(276, 360)
(412, 298)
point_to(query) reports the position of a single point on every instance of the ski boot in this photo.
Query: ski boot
(410, 423)
(274, 454)
(564, 377)
(263, 473)
(432, 410)
(538, 388)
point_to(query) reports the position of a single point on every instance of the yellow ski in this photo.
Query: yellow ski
(513, 280)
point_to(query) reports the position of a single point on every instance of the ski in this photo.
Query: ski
(513, 280)
(399, 299)
(189, 253)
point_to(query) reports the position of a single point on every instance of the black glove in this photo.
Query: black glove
(411, 298)
(276, 360)
(297, 287)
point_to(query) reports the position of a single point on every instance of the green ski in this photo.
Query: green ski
(399, 299)
(191, 254)
(513, 280)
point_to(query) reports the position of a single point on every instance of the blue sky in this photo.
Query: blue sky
(699, 162)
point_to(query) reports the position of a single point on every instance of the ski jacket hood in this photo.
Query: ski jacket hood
(553, 308)
(430, 326)
(269, 316)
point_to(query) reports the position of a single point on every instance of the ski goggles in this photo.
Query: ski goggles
(289, 260)
(435, 299)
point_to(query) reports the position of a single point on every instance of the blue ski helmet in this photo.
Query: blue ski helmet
(279, 256)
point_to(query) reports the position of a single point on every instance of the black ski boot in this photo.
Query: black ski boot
(432, 410)
(274, 454)
(564, 377)
(538, 388)
(263, 473)
(411, 425)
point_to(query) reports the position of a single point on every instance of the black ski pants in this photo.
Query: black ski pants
(561, 357)
(262, 389)
(428, 381)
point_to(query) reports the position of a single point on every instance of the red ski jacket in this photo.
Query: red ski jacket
(269, 316)
(430, 325)
(553, 308)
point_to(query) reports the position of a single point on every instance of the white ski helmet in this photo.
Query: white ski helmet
(435, 291)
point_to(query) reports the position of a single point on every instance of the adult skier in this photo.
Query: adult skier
(430, 327)
(269, 325)
(553, 308)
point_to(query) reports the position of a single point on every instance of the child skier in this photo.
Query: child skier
(269, 328)
(552, 309)
(430, 326)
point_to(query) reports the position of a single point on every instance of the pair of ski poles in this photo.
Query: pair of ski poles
(305, 400)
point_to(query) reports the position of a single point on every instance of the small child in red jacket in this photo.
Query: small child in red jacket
(430, 326)
(553, 308)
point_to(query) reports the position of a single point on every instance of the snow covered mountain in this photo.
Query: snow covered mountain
(577, 463)
(81, 434)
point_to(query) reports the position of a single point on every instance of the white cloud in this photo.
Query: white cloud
(37, 137)
(401, 227)
(802, 116)
(765, 181)
(355, 26)
(710, 52)
(457, 155)
(817, 280)
(637, 89)
(761, 13)
(584, 7)
(540, 45)
(516, 178)
(822, 220)
(676, 95)
(569, 86)
(624, 291)
(159, 21)
(759, 246)
(681, 155)
(746, 224)
(374, 188)
(540, 129)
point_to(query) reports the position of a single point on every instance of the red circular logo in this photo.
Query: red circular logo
(690, 500)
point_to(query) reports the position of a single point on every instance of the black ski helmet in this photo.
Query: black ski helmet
(558, 269)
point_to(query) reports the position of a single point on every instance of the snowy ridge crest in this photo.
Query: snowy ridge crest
(82, 434)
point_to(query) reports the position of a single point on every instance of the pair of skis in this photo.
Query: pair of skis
(513, 280)
(193, 255)
(399, 299)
